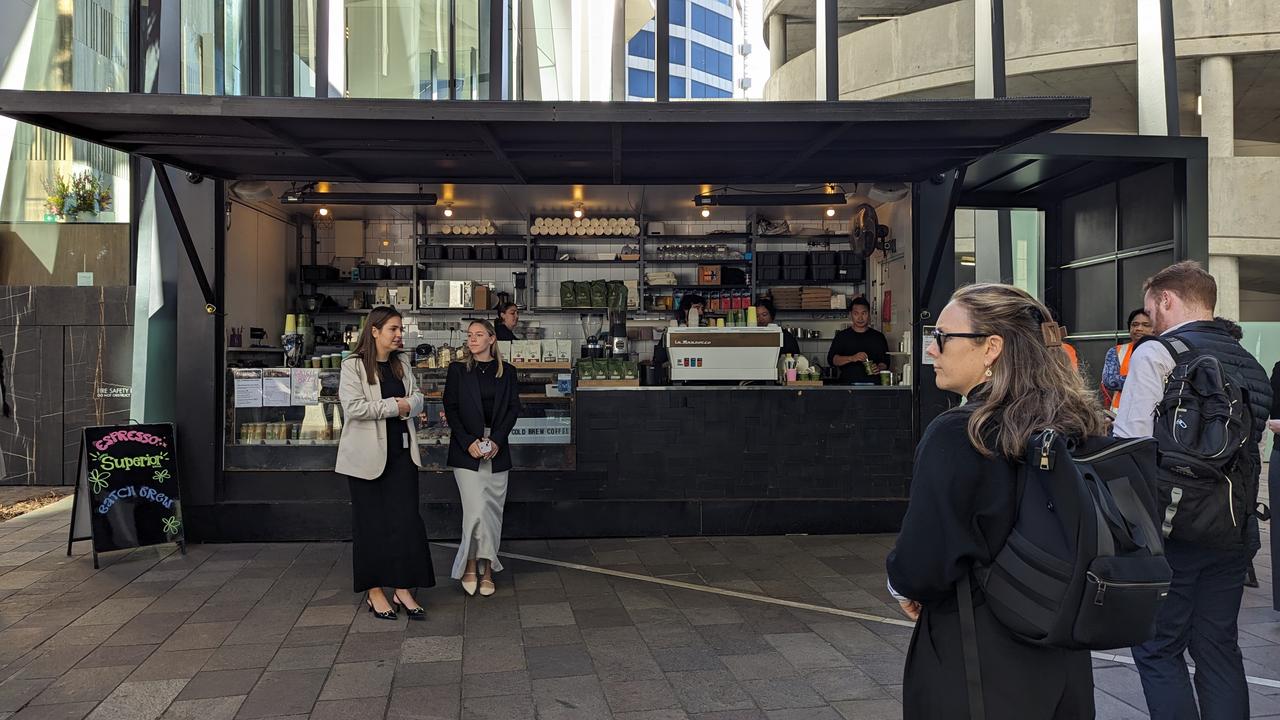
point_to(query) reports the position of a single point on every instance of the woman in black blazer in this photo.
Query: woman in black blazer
(481, 404)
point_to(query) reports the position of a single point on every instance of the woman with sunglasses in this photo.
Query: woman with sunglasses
(990, 347)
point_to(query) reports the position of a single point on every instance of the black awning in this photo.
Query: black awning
(632, 143)
(1043, 170)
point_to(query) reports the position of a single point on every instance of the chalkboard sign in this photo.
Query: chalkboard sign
(127, 489)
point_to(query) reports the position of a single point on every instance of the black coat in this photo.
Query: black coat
(961, 511)
(465, 413)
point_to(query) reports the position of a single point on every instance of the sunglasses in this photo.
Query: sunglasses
(941, 337)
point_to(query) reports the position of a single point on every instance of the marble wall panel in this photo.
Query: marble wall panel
(95, 385)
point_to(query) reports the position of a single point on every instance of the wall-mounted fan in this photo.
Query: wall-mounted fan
(866, 234)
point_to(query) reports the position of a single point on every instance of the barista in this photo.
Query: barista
(508, 318)
(687, 302)
(765, 315)
(854, 346)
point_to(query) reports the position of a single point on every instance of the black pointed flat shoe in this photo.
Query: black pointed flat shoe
(388, 615)
(417, 613)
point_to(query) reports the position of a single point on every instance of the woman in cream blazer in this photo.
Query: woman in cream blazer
(378, 452)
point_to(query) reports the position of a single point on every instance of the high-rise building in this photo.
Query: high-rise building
(706, 37)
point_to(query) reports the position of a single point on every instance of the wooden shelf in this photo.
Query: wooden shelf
(648, 287)
(609, 383)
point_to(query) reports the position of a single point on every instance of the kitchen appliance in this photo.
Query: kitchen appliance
(723, 353)
(445, 293)
(522, 288)
(618, 346)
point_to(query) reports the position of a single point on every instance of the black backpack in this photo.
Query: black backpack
(1083, 567)
(1207, 482)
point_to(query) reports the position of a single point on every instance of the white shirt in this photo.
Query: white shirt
(1149, 366)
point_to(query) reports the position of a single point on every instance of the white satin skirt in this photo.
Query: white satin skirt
(484, 493)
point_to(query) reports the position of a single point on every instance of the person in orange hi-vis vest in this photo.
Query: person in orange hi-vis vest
(1116, 366)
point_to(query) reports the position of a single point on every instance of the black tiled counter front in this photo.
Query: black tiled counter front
(649, 462)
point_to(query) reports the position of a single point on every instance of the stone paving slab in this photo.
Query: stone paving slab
(265, 630)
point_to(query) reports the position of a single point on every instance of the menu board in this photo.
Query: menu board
(127, 492)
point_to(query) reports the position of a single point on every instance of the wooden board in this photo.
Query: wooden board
(805, 383)
(543, 366)
(609, 383)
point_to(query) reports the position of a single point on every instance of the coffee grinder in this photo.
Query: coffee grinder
(618, 346)
(591, 346)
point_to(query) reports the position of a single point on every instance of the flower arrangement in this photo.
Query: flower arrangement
(70, 195)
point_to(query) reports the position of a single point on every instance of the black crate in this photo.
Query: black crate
(850, 257)
(372, 272)
(545, 252)
(514, 252)
(769, 272)
(489, 252)
(795, 273)
(852, 273)
(400, 272)
(319, 274)
(824, 273)
(461, 252)
(768, 258)
(795, 259)
(823, 257)
(431, 252)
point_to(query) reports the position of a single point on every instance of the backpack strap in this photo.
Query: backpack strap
(969, 641)
(1178, 347)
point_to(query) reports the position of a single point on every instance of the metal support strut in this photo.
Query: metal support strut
(171, 199)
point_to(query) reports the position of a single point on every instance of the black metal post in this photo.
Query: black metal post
(453, 49)
(175, 209)
(661, 51)
(322, 48)
(499, 49)
(828, 37)
(999, 78)
(1170, 69)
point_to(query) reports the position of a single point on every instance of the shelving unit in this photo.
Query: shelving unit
(744, 242)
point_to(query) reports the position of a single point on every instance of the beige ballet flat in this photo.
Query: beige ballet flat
(469, 586)
(487, 588)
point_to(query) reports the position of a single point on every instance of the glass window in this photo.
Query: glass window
(640, 83)
(467, 34)
(676, 86)
(642, 45)
(702, 90)
(712, 61)
(400, 49)
(304, 48)
(678, 16)
(677, 54)
(64, 203)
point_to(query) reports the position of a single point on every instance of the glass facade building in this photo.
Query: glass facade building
(701, 52)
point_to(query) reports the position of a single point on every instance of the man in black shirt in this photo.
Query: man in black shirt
(855, 345)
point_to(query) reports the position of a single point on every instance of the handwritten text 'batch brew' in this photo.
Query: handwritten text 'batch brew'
(130, 491)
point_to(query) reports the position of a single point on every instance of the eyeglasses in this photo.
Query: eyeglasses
(941, 337)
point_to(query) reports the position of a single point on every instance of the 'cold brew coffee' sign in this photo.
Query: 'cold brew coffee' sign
(127, 489)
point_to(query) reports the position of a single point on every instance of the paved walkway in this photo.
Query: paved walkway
(765, 627)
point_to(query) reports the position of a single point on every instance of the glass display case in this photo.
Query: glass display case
(291, 418)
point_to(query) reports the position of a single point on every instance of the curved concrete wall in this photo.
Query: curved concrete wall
(926, 52)
(1244, 217)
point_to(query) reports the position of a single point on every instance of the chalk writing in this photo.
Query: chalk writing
(133, 491)
(128, 436)
(171, 524)
(109, 462)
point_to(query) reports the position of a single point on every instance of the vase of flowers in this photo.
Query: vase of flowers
(67, 196)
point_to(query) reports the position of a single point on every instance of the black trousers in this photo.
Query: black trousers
(388, 537)
(1199, 615)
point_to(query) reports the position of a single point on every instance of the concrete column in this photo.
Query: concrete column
(777, 42)
(1226, 271)
(1217, 103)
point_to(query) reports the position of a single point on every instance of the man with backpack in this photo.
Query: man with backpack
(1205, 399)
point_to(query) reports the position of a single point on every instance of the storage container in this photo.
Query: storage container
(545, 252)
(794, 258)
(823, 257)
(461, 252)
(514, 252)
(488, 252)
(768, 258)
(790, 272)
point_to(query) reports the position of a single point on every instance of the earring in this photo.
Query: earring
(988, 372)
